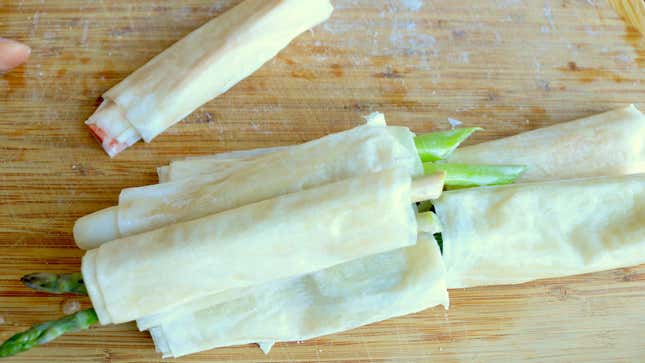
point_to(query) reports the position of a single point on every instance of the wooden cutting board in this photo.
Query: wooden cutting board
(506, 65)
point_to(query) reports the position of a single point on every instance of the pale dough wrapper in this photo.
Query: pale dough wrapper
(291, 235)
(514, 234)
(337, 299)
(221, 163)
(200, 67)
(364, 149)
(611, 143)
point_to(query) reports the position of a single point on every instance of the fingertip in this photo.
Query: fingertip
(12, 54)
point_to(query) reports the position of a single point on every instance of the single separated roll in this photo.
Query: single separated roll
(291, 235)
(518, 233)
(200, 67)
(610, 143)
(369, 148)
(337, 299)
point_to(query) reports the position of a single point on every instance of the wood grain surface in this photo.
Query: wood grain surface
(506, 65)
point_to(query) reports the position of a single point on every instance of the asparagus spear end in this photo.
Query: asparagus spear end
(439, 145)
(48, 331)
(466, 176)
(56, 283)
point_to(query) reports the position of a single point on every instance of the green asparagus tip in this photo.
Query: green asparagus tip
(467, 176)
(439, 145)
(46, 332)
(56, 283)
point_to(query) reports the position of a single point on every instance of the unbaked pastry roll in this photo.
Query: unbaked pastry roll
(518, 233)
(200, 67)
(609, 143)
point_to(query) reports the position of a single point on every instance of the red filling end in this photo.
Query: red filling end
(98, 133)
(113, 146)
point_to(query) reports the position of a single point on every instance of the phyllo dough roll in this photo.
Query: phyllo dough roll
(364, 149)
(519, 233)
(337, 299)
(291, 235)
(610, 143)
(225, 163)
(200, 67)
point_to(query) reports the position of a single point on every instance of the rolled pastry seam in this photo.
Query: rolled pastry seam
(200, 67)
(286, 236)
(364, 149)
(610, 143)
(518, 233)
(343, 297)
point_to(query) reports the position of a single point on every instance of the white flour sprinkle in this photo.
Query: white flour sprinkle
(548, 15)
(86, 26)
(413, 5)
(454, 123)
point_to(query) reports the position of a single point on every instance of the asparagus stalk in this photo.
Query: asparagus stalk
(465, 176)
(439, 145)
(46, 332)
(56, 283)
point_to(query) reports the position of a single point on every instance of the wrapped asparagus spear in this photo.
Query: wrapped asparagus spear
(610, 143)
(518, 233)
(282, 237)
(200, 67)
(430, 147)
